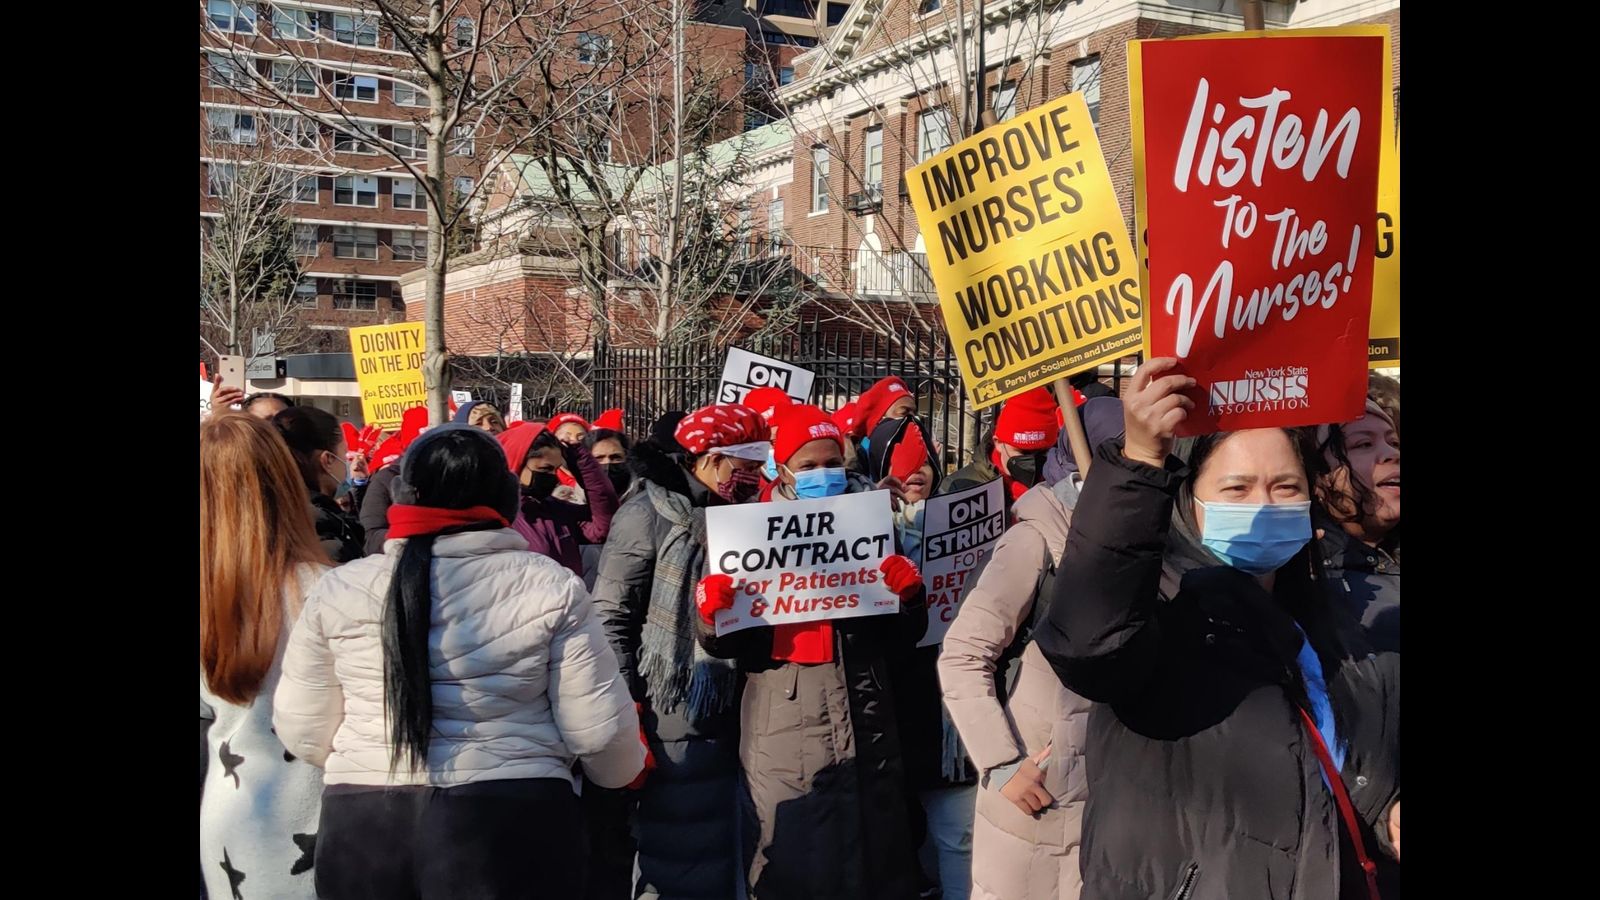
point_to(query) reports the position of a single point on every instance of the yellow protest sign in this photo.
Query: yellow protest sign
(388, 362)
(1383, 342)
(1029, 251)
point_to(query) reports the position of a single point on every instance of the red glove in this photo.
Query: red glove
(909, 454)
(714, 592)
(901, 576)
(649, 757)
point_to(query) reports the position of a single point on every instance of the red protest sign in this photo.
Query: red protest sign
(1256, 174)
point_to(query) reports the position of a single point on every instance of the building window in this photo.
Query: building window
(593, 49)
(778, 37)
(466, 32)
(224, 71)
(305, 244)
(1086, 81)
(409, 245)
(752, 75)
(294, 131)
(292, 78)
(293, 24)
(642, 247)
(406, 94)
(785, 74)
(305, 189)
(348, 294)
(819, 179)
(874, 176)
(238, 16)
(231, 127)
(219, 179)
(361, 88)
(403, 192)
(345, 142)
(464, 186)
(755, 118)
(355, 190)
(1003, 100)
(305, 292)
(933, 133)
(775, 218)
(357, 31)
(355, 243)
(836, 13)
(410, 143)
(928, 6)
(462, 145)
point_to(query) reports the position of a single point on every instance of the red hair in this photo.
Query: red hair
(255, 534)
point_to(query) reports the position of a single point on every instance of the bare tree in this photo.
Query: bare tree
(639, 181)
(249, 259)
(470, 59)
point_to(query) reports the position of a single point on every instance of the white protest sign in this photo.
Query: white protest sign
(514, 413)
(205, 398)
(803, 560)
(958, 531)
(745, 371)
(461, 397)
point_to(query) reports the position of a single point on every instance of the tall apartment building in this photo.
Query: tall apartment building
(359, 219)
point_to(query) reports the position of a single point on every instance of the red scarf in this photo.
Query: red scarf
(411, 521)
(803, 642)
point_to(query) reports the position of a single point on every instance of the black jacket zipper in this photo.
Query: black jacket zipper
(1186, 887)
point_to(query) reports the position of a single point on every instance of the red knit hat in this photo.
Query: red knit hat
(845, 417)
(560, 419)
(412, 421)
(611, 420)
(876, 402)
(769, 401)
(725, 426)
(1028, 421)
(798, 426)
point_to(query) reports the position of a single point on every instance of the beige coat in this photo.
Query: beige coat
(1016, 856)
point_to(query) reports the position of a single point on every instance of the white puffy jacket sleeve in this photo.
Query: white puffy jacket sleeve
(589, 698)
(309, 705)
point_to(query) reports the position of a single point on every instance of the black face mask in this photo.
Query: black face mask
(544, 484)
(619, 475)
(1025, 468)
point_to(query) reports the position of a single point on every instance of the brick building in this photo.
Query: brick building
(359, 218)
(868, 89)
(885, 91)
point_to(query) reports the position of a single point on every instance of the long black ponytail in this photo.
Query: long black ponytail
(452, 467)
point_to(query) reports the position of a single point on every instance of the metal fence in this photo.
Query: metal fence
(646, 382)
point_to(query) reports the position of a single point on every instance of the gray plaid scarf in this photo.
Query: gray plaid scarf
(674, 666)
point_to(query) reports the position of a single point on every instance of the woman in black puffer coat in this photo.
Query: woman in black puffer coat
(1246, 740)
(653, 558)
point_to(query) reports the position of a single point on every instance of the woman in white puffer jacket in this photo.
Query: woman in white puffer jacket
(447, 687)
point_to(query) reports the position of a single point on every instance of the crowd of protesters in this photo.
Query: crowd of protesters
(479, 659)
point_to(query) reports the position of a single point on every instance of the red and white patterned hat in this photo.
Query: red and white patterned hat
(727, 428)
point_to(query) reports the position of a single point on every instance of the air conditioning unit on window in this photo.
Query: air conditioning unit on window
(869, 200)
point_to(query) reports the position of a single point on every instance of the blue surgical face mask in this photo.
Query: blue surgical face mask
(1256, 538)
(771, 468)
(814, 484)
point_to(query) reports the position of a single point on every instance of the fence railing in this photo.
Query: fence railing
(831, 270)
